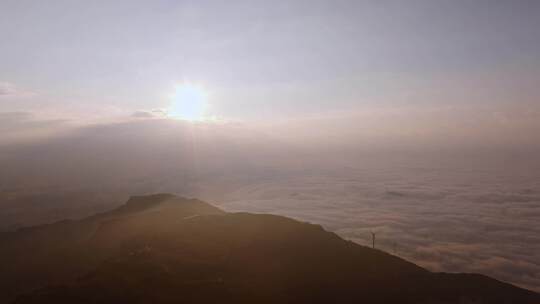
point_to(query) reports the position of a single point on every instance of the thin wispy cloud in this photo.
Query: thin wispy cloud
(8, 89)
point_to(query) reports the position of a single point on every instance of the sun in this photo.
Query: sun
(188, 102)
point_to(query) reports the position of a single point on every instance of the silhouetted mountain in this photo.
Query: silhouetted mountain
(167, 249)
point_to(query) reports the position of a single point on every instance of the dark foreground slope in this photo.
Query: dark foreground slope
(166, 249)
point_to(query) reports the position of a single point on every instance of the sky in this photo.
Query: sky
(260, 60)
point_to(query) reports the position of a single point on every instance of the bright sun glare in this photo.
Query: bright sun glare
(188, 102)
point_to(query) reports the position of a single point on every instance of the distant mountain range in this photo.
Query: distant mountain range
(167, 249)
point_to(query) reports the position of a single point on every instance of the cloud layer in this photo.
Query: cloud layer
(446, 210)
(442, 218)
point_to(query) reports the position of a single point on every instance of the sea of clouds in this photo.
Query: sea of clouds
(447, 210)
(443, 219)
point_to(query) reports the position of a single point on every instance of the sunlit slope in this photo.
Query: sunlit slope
(166, 249)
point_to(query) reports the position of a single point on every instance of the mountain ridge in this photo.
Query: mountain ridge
(164, 249)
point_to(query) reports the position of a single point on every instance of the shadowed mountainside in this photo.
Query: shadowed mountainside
(166, 249)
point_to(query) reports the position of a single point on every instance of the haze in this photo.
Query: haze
(416, 119)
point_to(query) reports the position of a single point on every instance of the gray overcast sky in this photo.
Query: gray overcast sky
(266, 59)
